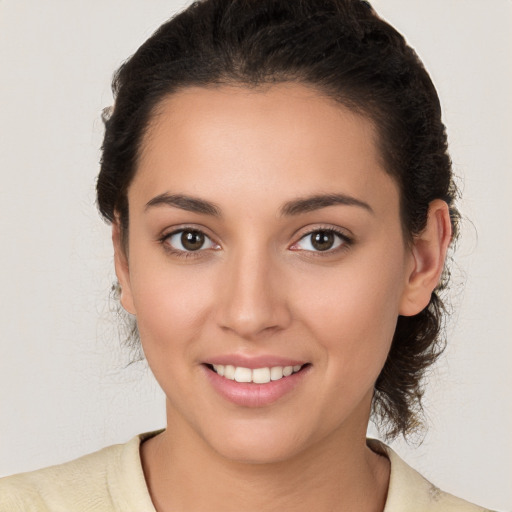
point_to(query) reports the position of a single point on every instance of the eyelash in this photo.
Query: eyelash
(345, 242)
(164, 241)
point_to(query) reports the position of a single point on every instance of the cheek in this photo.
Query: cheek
(172, 304)
(172, 313)
(352, 310)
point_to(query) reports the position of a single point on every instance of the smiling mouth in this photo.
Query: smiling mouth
(257, 375)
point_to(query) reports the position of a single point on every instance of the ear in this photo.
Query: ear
(427, 259)
(122, 268)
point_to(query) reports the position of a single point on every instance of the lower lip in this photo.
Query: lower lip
(248, 394)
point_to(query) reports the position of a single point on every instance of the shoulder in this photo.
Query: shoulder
(411, 492)
(108, 480)
(71, 484)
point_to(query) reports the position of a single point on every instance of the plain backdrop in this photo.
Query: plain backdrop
(65, 384)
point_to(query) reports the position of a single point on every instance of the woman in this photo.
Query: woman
(281, 199)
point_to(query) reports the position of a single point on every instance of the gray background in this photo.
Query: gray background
(64, 390)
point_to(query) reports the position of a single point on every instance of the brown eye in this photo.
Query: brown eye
(189, 240)
(192, 240)
(322, 240)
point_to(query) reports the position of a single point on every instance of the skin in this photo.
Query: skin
(259, 287)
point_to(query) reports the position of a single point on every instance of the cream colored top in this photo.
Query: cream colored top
(112, 480)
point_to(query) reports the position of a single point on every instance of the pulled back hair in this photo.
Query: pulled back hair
(346, 52)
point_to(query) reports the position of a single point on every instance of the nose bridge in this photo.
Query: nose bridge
(252, 300)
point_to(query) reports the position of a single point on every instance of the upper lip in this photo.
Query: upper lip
(252, 362)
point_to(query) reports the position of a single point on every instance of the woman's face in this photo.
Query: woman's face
(264, 234)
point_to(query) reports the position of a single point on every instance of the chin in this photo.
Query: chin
(258, 453)
(256, 443)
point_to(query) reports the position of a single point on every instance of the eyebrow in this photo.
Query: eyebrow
(294, 207)
(316, 202)
(190, 204)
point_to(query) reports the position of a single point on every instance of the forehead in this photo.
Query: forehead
(285, 139)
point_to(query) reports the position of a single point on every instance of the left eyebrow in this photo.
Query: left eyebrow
(188, 203)
(316, 202)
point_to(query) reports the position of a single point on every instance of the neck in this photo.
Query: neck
(338, 473)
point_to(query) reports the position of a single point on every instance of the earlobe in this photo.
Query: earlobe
(122, 268)
(428, 256)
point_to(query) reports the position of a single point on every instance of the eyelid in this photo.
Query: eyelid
(206, 240)
(172, 230)
(175, 230)
(345, 236)
(347, 239)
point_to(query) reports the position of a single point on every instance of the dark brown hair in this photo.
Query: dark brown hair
(344, 50)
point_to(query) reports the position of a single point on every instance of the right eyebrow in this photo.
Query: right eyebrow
(184, 202)
(317, 202)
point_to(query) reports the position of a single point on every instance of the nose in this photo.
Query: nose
(253, 296)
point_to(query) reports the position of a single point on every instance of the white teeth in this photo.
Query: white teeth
(243, 374)
(258, 375)
(229, 372)
(276, 372)
(261, 375)
(287, 371)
